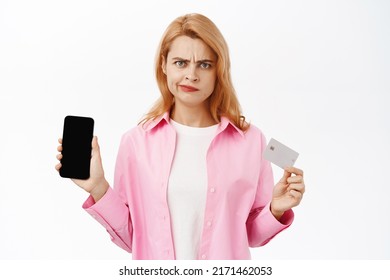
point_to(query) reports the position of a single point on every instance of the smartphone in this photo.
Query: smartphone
(76, 147)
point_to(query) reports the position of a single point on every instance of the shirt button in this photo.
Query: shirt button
(212, 190)
(209, 223)
(204, 256)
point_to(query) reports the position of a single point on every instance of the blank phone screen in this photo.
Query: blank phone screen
(76, 147)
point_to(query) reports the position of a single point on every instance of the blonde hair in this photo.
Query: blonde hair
(223, 101)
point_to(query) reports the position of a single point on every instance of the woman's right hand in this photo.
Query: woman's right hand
(96, 184)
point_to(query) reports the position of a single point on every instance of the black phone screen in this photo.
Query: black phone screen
(76, 147)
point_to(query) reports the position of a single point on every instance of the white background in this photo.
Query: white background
(312, 74)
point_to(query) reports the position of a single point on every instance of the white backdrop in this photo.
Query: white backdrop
(312, 74)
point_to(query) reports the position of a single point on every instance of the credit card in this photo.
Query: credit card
(279, 154)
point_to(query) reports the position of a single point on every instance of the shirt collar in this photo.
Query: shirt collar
(225, 122)
(153, 123)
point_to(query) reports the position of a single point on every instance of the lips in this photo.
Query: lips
(186, 88)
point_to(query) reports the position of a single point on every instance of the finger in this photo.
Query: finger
(295, 179)
(297, 187)
(59, 148)
(294, 170)
(59, 156)
(60, 140)
(58, 166)
(296, 195)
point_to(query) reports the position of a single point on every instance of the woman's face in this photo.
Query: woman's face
(190, 68)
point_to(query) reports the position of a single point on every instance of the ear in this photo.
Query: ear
(163, 65)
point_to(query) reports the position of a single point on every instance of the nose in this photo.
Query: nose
(191, 74)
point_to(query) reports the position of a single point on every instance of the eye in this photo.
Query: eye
(205, 65)
(180, 63)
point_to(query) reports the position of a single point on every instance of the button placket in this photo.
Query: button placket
(209, 222)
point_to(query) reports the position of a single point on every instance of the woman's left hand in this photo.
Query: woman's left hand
(288, 191)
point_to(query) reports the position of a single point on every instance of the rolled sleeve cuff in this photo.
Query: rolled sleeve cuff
(265, 226)
(284, 221)
(274, 224)
(110, 211)
(113, 214)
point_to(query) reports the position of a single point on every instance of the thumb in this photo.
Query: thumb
(285, 176)
(95, 146)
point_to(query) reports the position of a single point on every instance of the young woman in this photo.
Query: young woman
(190, 181)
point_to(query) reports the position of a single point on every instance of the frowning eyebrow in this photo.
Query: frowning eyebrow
(187, 60)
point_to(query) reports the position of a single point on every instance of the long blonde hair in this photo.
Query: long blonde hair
(223, 101)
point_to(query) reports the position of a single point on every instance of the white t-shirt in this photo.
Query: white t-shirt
(187, 187)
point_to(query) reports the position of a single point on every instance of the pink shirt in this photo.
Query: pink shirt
(237, 214)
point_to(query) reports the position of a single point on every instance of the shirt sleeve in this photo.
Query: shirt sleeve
(261, 225)
(112, 210)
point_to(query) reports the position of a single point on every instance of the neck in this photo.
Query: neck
(194, 117)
